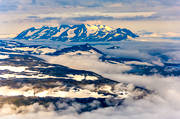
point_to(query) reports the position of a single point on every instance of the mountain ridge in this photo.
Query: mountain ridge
(77, 33)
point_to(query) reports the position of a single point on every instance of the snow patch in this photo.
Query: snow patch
(82, 77)
(4, 56)
(34, 50)
(12, 68)
(28, 91)
(137, 63)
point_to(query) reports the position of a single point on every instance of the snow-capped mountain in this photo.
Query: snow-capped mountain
(77, 33)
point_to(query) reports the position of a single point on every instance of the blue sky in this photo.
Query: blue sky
(16, 15)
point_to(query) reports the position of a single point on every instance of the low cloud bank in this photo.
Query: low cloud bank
(162, 105)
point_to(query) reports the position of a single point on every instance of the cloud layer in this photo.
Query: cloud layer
(17, 14)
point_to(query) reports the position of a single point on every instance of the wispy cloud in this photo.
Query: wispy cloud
(70, 11)
(8, 5)
(86, 16)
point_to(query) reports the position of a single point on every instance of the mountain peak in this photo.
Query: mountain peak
(85, 47)
(77, 33)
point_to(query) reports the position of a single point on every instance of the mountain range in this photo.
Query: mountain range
(77, 33)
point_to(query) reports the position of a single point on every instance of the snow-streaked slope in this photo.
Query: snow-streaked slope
(79, 33)
(25, 75)
(31, 76)
(14, 47)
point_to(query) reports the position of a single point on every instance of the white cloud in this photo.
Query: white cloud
(174, 56)
(162, 105)
(86, 62)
